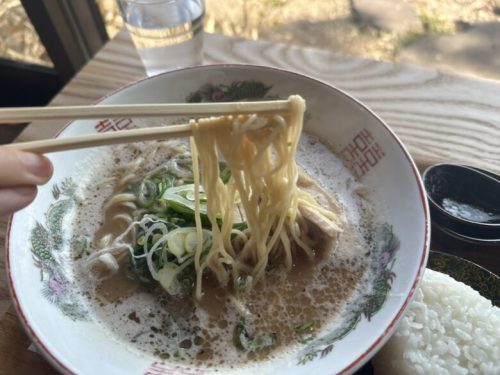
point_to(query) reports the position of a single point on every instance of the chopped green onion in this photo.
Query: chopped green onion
(263, 342)
(243, 341)
(224, 172)
(146, 195)
(238, 334)
(305, 327)
(156, 237)
(166, 275)
(190, 242)
(140, 240)
(164, 355)
(159, 206)
(182, 242)
(240, 226)
(175, 198)
(166, 182)
(243, 282)
(176, 243)
(181, 166)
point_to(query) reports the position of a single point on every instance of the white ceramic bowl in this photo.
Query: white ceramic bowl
(56, 317)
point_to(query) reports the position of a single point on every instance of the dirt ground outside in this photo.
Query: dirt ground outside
(332, 25)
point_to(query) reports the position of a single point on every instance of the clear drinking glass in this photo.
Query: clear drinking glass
(168, 34)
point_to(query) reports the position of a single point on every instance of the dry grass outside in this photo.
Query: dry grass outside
(111, 16)
(325, 24)
(18, 38)
(441, 16)
(250, 18)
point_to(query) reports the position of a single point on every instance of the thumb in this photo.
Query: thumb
(19, 168)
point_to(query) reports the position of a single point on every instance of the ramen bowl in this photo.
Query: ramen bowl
(41, 249)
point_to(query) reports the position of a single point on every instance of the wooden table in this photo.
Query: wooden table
(439, 117)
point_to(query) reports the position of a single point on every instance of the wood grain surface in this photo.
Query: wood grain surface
(439, 117)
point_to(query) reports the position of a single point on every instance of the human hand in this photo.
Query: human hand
(20, 173)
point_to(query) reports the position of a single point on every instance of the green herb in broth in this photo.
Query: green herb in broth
(305, 331)
(306, 327)
(166, 240)
(247, 341)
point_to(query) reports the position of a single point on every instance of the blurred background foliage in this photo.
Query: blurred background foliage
(326, 24)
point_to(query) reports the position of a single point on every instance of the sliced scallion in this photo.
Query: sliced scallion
(146, 195)
(305, 327)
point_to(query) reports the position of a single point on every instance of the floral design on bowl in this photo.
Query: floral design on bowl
(236, 91)
(385, 247)
(47, 246)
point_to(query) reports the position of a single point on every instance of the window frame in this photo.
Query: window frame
(71, 31)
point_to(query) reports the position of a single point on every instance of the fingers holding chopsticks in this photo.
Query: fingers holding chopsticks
(14, 198)
(23, 168)
(20, 173)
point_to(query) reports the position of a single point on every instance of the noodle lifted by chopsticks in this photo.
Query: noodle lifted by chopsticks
(260, 153)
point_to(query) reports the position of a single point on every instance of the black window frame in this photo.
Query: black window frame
(72, 32)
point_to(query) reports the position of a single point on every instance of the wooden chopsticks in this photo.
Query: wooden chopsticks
(13, 115)
(102, 139)
(28, 114)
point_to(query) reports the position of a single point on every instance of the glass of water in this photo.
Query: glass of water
(167, 34)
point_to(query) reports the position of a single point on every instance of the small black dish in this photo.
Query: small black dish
(480, 279)
(458, 238)
(465, 201)
(484, 171)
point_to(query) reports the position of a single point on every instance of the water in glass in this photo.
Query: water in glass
(167, 34)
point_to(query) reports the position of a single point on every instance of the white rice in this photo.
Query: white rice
(449, 329)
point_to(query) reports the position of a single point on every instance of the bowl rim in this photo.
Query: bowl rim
(465, 238)
(377, 344)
